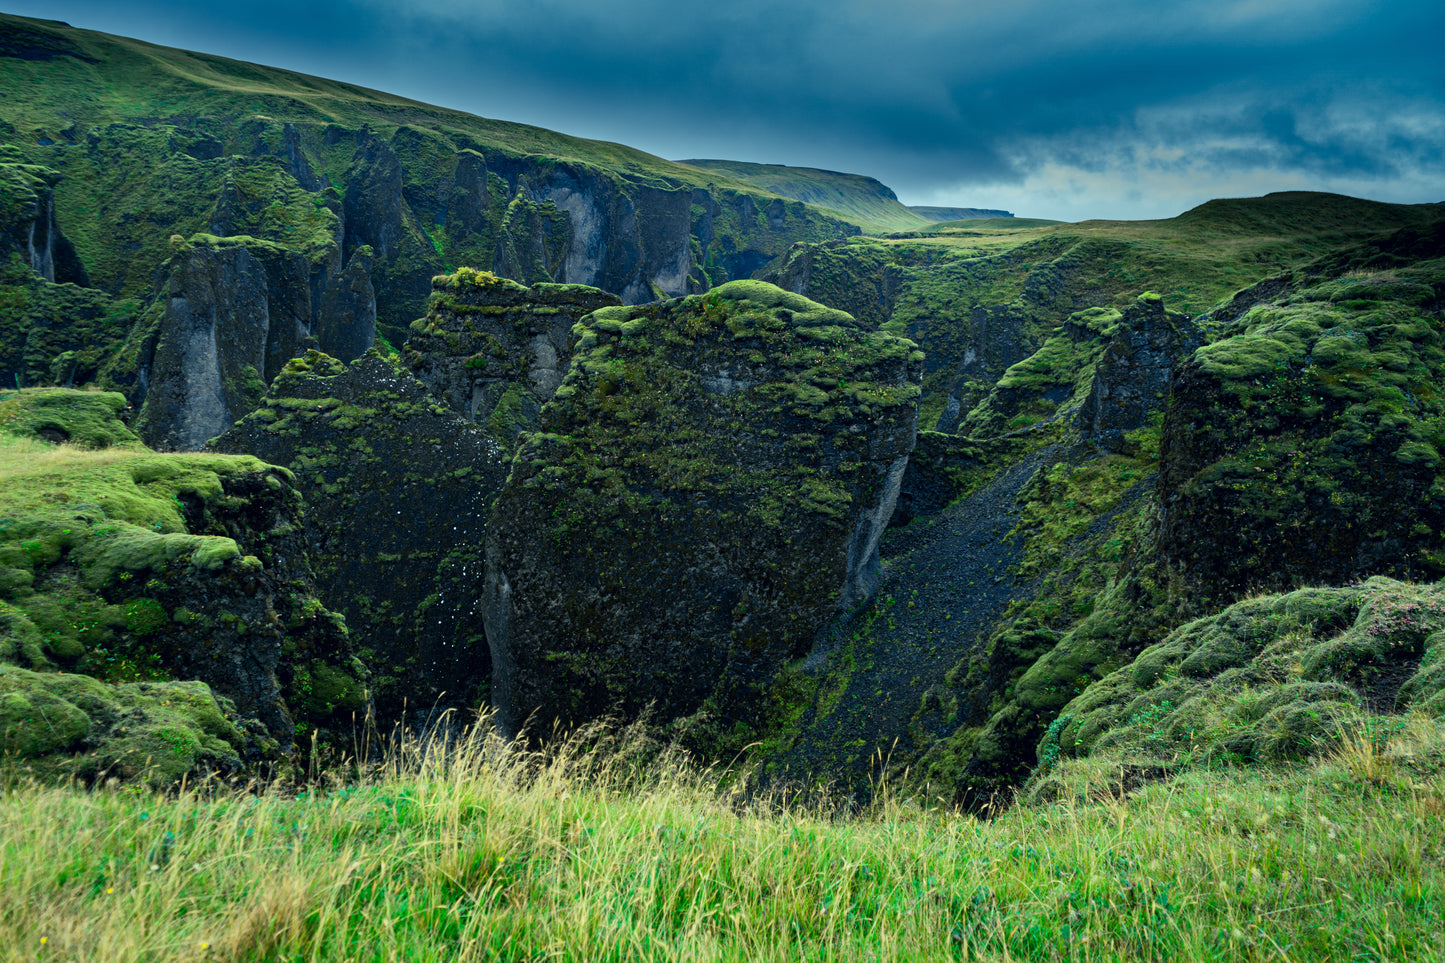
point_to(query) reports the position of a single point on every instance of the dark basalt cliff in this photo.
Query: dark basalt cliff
(708, 488)
(397, 492)
(494, 350)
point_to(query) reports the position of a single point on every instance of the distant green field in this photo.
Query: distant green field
(990, 224)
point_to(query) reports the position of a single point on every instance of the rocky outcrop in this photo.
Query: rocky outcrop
(397, 494)
(495, 351)
(345, 322)
(137, 566)
(1302, 447)
(231, 312)
(708, 488)
(1132, 378)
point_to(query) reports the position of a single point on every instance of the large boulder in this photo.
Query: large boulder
(708, 489)
(494, 350)
(397, 492)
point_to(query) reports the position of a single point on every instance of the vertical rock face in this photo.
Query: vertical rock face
(1133, 375)
(397, 493)
(231, 313)
(708, 488)
(495, 351)
(28, 227)
(345, 324)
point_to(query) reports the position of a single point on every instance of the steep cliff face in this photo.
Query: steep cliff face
(495, 351)
(397, 491)
(232, 311)
(28, 228)
(1304, 447)
(709, 486)
(1136, 371)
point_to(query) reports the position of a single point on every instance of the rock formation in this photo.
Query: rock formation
(708, 488)
(495, 351)
(132, 566)
(397, 491)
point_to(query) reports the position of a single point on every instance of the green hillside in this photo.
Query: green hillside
(62, 79)
(856, 198)
(957, 213)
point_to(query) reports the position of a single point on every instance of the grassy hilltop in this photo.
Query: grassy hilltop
(854, 197)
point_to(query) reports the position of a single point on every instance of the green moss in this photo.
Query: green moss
(84, 418)
(61, 725)
(1274, 677)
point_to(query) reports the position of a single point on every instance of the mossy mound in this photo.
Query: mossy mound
(86, 419)
(397, 490)
(1272, 678)
(58, 725)
(1304, 445)
(494, 350)
(127, 565)
(708, 487)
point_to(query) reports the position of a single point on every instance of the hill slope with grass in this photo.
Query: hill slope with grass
(855, 198)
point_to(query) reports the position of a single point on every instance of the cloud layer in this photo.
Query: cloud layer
(1118, 108)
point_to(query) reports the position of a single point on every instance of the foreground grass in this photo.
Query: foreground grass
(483, 852)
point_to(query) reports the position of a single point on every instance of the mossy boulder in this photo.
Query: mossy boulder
(397, 490)
(127, 565)
(496, 351)
(86, 419)
(708, 488)
(59, 725)
(1271, 678)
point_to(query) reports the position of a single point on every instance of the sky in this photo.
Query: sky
(1071, 110)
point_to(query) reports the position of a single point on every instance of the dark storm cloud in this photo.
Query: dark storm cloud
(928, 95)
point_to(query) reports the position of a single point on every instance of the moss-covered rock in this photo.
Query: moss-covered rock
(86, 419)
(708, 487)
(397, 491)
(1273, 677)
(59, 725)
(496, 351)
(1304, 445)
(127, 565)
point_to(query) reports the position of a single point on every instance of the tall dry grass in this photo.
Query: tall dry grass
(461, 846)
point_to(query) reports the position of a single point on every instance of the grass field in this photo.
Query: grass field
(612, 850)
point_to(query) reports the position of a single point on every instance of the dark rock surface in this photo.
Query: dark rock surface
(397, 492)
(709, 487)
(1133, 376)
(494, 350)
(231, 312)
